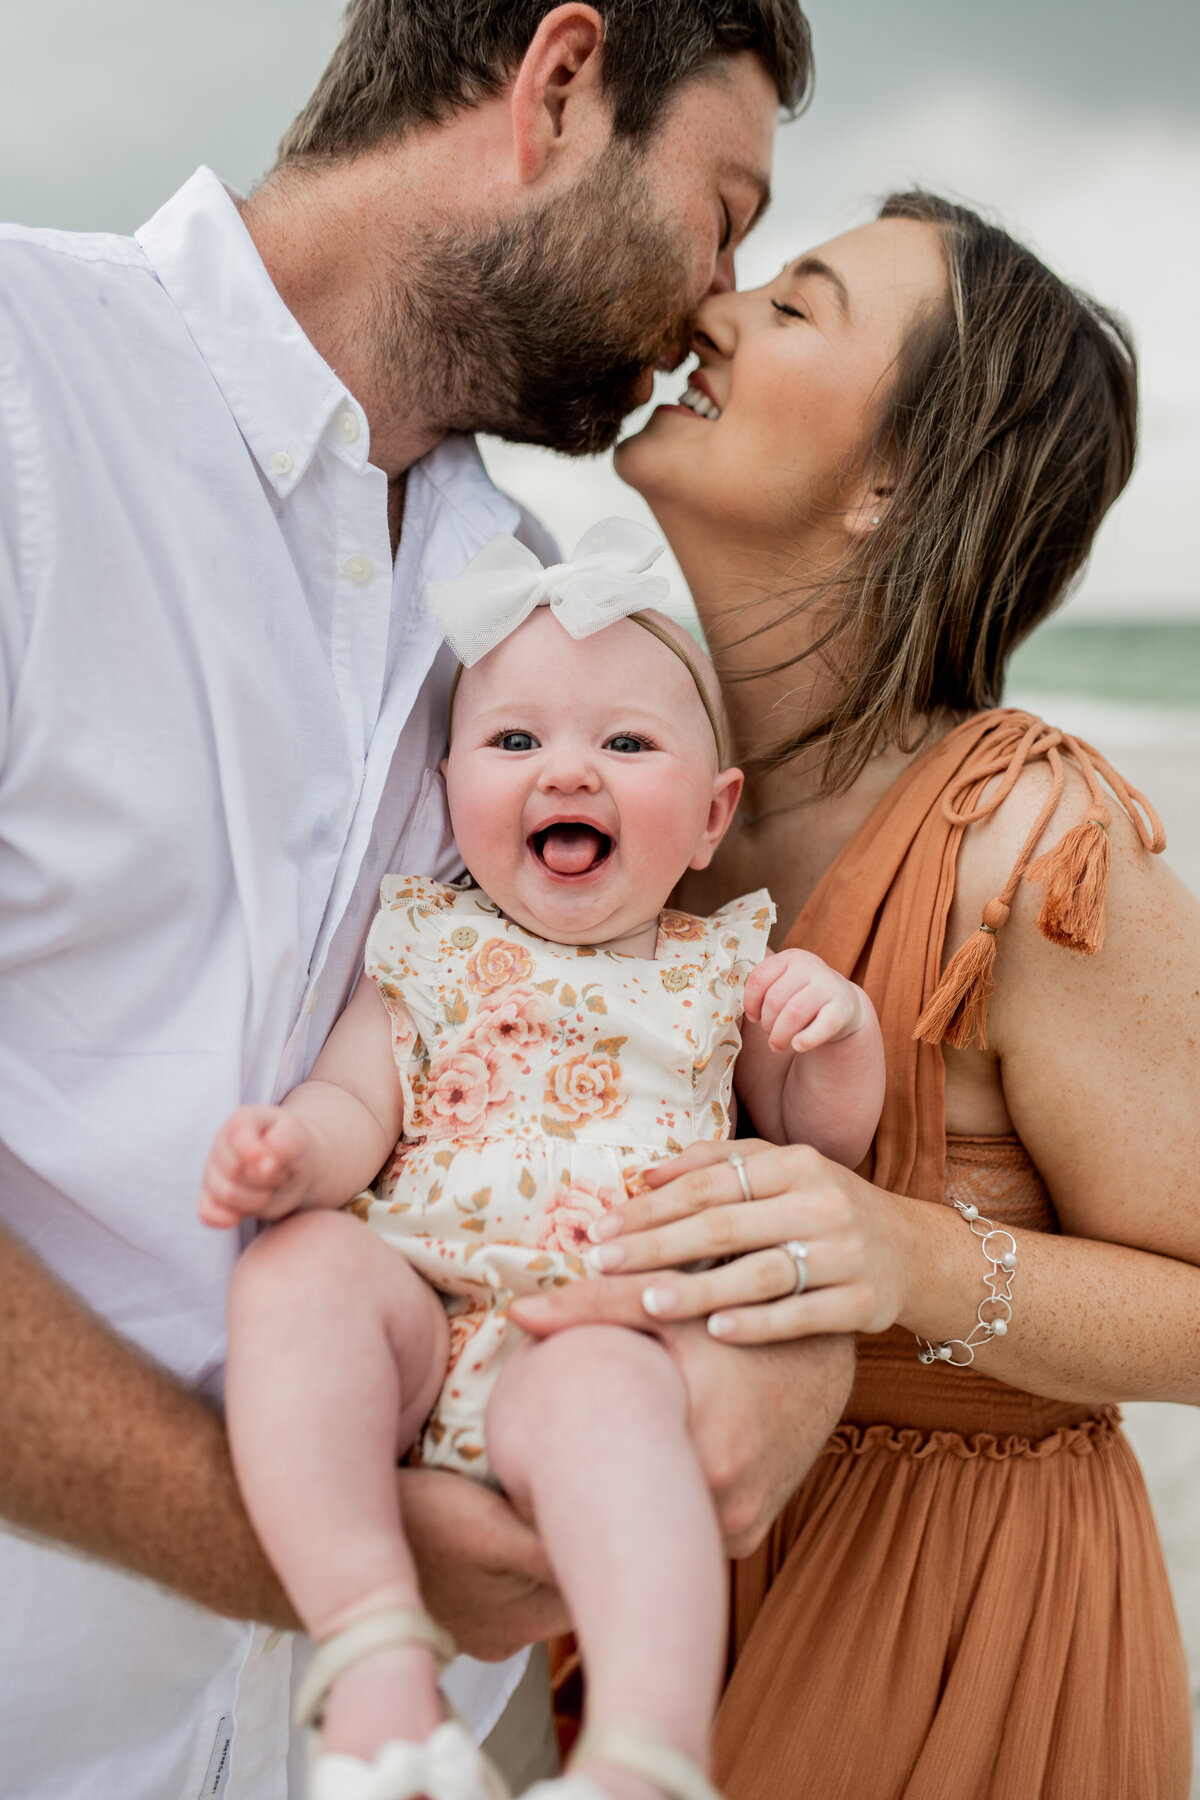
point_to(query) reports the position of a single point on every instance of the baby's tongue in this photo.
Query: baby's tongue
(570, 849)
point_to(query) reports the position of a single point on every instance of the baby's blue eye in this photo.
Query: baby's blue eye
(516, 740)
(626, 743)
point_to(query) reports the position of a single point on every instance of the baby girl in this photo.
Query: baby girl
(525, 1048)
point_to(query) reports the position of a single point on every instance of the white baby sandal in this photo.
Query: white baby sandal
(638, 1754)
(447, 1766)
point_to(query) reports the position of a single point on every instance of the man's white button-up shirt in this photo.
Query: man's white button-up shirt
(221, 706)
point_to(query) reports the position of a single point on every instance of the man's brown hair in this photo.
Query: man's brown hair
(402, 63)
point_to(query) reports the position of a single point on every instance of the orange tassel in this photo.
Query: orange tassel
(1075, 872)
(957, 1009)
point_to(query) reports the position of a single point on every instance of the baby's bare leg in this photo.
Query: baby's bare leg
(337, 1352)
(588, 1433)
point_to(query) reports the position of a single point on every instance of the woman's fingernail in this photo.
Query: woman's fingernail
(607, 1227)
(658, 1301)
(721, 1325)
(608, 1257)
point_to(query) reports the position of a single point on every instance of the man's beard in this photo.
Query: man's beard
(540, 328)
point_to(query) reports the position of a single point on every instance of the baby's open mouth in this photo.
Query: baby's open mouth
(570, 848)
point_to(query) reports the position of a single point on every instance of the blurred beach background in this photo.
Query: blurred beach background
(1076, 124)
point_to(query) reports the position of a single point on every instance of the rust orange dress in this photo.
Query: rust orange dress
(966, 1599)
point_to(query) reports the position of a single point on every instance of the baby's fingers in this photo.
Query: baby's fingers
(836, 1019)
(796, 1015)
(257, 1145)
(760, 980)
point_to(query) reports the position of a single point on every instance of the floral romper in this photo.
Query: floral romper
(540, 1080)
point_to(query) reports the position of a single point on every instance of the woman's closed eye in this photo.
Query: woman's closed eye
(791, 311)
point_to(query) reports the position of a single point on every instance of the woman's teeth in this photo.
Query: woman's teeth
(698, 402)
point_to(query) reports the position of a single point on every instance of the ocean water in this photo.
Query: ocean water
(1142, 670)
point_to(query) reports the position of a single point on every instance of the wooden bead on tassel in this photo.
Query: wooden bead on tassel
(957, 1009)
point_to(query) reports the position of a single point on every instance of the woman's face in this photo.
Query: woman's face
(793, 379)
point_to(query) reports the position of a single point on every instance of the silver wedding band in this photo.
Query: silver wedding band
(799, 1255)
(737, 1163)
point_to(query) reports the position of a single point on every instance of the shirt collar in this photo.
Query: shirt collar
(282, 393)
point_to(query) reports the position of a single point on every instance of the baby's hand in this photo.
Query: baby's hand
(801, 1003)
(257, 1168)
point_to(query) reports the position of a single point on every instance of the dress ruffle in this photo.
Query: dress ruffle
(1074, 1440)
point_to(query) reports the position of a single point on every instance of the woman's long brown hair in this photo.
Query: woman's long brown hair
(1010, 430)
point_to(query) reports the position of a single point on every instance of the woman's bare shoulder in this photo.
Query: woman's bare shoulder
(1096, 1053)
(1143, 894)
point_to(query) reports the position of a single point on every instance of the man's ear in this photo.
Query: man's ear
(556, 95)
(727, 791)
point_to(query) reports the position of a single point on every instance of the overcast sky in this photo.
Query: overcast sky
(1075, 122)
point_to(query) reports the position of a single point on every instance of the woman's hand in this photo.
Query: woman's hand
(694, 1210)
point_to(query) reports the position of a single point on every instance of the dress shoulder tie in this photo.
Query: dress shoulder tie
(1074, 872)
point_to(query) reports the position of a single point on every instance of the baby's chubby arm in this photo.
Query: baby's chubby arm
(811, 1066)
(330, 1137)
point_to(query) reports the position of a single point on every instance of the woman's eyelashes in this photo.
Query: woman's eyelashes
(791, 311)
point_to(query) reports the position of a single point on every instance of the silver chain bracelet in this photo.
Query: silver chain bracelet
(997, 1302)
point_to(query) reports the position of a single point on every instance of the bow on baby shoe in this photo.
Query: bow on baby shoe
(604, 581)
(446, 1767)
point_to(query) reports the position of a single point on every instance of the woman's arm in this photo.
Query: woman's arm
(1097, 1065)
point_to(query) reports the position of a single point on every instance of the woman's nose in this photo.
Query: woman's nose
(715, 325)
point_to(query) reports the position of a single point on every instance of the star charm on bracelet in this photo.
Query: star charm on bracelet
(1000, 1249)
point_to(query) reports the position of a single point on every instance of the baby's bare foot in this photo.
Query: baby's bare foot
(390, 1695)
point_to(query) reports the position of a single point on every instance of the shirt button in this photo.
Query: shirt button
(348, 428)
(281, 463)
(358, 569)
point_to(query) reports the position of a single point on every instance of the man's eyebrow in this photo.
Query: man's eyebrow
(815, 265)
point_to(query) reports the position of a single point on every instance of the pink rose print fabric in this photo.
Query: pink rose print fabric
(540, 1082)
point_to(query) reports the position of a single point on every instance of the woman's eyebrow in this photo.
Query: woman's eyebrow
(813, 265)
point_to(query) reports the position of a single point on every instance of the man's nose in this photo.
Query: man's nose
(724, 279)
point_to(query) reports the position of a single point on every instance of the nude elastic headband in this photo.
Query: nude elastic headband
(664, 637)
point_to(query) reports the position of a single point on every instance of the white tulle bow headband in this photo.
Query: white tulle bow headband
(604, 581)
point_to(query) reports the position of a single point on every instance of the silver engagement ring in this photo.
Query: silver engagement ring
(799, 1255)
